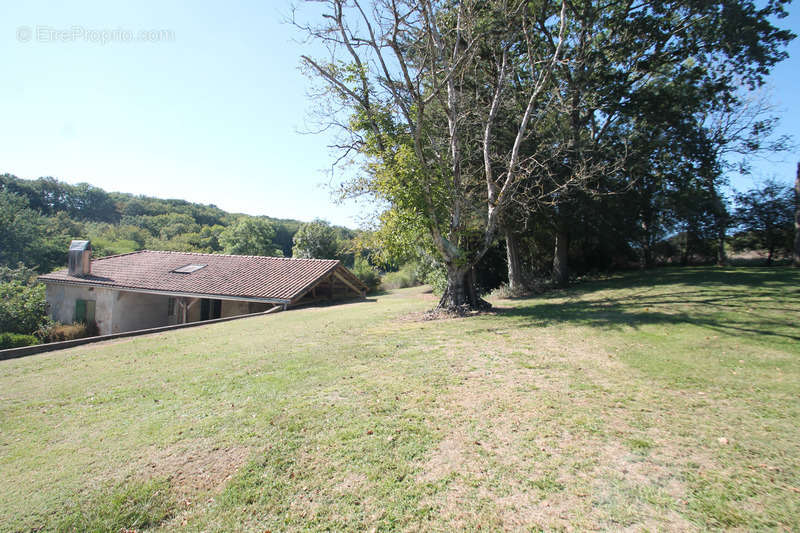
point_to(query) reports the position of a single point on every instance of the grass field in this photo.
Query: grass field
(664, 400)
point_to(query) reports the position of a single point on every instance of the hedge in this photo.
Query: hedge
(16, 340)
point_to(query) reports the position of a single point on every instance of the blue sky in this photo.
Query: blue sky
(211, 114)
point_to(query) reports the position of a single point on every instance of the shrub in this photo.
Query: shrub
(503, 292)
(532, 286)
(16, 340)
(67, 332)
(366, 273)
(23, 308)
(437, 279)
(407, 276)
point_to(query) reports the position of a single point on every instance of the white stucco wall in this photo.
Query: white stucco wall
(136, 310)
(115, 311)
(118, 311)
(61, 300)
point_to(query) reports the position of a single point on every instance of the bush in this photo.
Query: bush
(23, 308)
(407, 276)
(504, 292)
(437, 279)
(16, 340)
(533, 285)
(68, 332)
(366, 273)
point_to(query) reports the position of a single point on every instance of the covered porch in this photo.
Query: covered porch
(338, 285)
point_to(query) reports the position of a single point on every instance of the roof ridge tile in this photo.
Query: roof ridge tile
(175, 252)
(116, 255)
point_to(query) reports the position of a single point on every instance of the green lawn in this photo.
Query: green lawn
(664, 400)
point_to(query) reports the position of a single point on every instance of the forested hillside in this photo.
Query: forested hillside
(40, 217)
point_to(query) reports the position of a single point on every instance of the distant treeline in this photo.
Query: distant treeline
(39, 217)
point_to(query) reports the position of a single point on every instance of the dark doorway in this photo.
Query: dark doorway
(210, 309)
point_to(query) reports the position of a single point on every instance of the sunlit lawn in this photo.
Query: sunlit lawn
(661, 400)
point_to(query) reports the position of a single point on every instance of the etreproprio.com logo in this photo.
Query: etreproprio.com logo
(73, 34)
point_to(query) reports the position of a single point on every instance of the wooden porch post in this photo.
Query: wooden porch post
(185, 305)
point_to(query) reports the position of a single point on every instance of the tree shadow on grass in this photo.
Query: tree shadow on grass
(756, 302)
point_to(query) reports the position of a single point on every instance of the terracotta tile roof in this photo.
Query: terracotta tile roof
(246, 276)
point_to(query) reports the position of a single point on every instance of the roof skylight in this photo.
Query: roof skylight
(188, 269)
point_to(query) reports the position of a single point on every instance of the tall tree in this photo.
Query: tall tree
(316, 240)
(637, 79)
(615, 51)
(465, 110)
(766, 215)
(405, 74)
(250, 236)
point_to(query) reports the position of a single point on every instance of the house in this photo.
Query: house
(147, 289)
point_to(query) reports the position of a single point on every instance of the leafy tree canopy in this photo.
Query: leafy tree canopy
(765, 215)
(316, 240)
(250, 236)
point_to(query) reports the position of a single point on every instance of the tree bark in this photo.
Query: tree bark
(796, 261)
(472, 289)
(461, 293)
(647, 249)
(515, 282)
(454, 295)
(722, 258)
(561, 257)
(685, 249)
(647, 257)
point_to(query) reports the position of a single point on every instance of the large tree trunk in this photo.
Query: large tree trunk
(647, 256)
(461, 293)
(561, 257)
(685, 249)
(722, 258)
(797, 218)
(647, 248)
(515, 282)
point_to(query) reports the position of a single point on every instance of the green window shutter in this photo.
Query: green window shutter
(80, 311)
(90, 311)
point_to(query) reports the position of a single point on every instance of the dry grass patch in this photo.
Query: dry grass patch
(509, 450)
(194, 467)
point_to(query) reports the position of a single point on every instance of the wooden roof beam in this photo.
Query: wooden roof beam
(355, 289)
